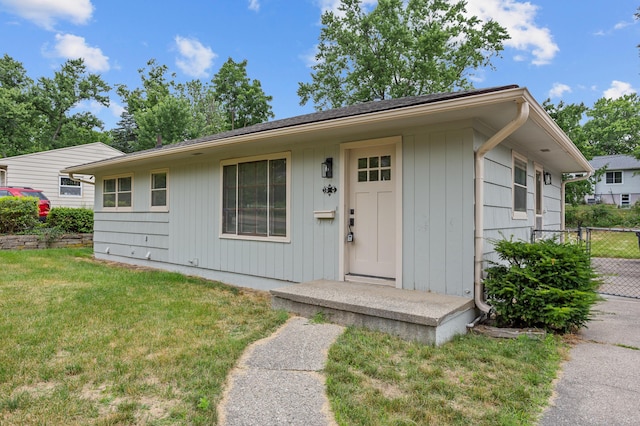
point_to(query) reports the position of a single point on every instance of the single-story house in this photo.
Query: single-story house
(620, 183)
(41, 170)
(404, 192)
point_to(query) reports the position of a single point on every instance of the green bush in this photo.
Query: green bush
(602, 216)
(18, 214)
(71, 220)
(546, 284)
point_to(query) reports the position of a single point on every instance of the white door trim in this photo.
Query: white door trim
(345, 148)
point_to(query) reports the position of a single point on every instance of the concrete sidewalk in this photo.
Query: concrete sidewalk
(600, 384)
(278, 380)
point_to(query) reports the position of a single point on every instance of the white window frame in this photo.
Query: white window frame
(3, 176)
(116, 207)
(623, 202)
(60, 186)
(236, 161)
(517, 214)
(152, 189)
(614, 183)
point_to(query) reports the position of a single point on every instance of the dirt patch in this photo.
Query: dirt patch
(149, 408)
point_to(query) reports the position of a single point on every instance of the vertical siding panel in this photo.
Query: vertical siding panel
(408, 211)
(292, 268)
(330, 237)
(454, 205)
(307, 246)
(422, 226)
(438, 215)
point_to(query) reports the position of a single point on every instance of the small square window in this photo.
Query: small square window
(159, 190)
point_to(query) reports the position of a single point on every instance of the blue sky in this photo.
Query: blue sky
(569, 50)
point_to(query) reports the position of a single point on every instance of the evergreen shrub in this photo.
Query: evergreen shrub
(546, 284)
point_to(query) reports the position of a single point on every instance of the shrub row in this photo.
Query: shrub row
(19, 215)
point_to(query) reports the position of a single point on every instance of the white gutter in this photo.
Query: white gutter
(75, 179)
(495, 140)
(562, 194)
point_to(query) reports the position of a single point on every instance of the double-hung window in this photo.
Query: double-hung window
(159, 190)
(519, 187)
(117, 193)
(255, 197)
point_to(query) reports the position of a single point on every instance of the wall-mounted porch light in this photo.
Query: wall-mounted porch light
(547, 178)
(327, 168)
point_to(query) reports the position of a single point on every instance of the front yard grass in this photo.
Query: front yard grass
(622, 245)
(89, 343)
(85, 342)
(376, 379)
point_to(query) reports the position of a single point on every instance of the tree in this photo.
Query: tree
(206, 112)
(124, 136)
(243, 101)
(16, 109)
(54, 98)
(400, 48)
(614, 126)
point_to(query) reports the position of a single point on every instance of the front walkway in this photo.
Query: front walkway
(278, 380)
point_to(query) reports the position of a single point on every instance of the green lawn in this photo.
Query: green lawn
(376, 379)
(614, 244)
(90, 343)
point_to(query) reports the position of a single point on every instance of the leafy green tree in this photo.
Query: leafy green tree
(168, 119)
(243, 101)
(54, 98)
(16, 110)
(206, 112)
(614, 126)
(400, 48)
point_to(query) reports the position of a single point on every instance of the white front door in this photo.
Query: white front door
(371, 212)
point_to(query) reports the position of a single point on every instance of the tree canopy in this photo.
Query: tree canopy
(37, 116)
(163, 108)
(400, 48)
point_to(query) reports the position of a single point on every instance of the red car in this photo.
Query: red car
(17, 191)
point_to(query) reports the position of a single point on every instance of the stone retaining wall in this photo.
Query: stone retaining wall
(29, 242)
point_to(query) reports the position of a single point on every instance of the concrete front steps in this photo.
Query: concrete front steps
(412, 315)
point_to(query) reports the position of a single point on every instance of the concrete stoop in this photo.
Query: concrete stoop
(412, 315)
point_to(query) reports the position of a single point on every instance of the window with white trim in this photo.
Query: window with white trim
(69, 187)
(519, 187)
(255, 197)
(117, 192)
(613, 178)
(159, 190)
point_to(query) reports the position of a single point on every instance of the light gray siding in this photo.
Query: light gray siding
(498, 213)
(438, 212)
(189, 233)
(41, 170)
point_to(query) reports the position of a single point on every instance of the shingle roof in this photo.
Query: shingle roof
(615, 162)
(349, 111)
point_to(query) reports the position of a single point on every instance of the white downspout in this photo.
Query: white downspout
(562, 192)
(495, 140)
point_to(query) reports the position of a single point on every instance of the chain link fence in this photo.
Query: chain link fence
(615, 255)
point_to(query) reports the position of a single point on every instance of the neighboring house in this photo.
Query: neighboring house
(41, 170)
(409, 192)
(620, 183)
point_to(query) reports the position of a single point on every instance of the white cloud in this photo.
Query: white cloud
(519, 20)
(618, 89)
(558, 90)
(46, 13)
(332, 5)
(70, 46)
(254, 5)
(116, 109)
(195, 58)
